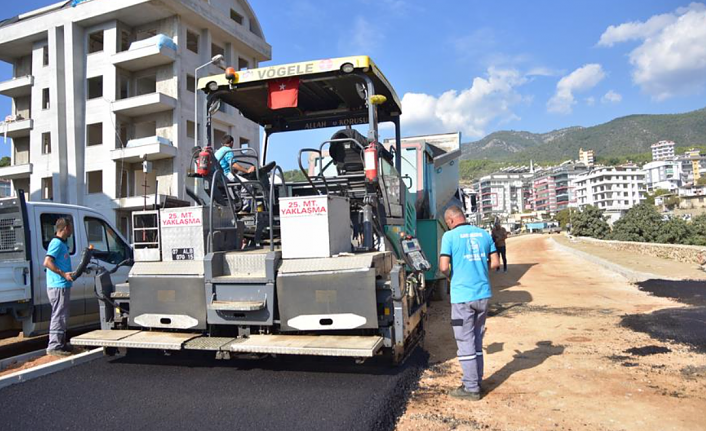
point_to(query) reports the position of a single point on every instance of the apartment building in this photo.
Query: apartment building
(552, 189)
(663, 150)
(664, 174)
(103, 96)
(587, 157)
(612, 189)
(506, 192)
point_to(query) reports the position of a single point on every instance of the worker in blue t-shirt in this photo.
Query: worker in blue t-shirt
(59, 281)
(225, 158)
(464, 256)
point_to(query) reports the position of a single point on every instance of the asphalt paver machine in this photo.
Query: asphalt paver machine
(325, 266)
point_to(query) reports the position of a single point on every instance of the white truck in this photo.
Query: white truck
(26, 228)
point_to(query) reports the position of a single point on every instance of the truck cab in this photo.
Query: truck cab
(26, 228)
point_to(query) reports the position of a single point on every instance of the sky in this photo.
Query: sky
(480, 66)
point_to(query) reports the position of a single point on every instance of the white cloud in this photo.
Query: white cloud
(671, 60)
(590, 101)
(582, 79)
(488, 101)
(611, 97)
(635, 30)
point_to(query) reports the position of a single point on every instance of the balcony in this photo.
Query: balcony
(17, 87)
(16, 172)
(16, 129)
(144, 57)
(150, 149)
(139, 202)
(145, 104)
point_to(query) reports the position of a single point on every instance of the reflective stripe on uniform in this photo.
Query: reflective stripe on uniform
(467, 358)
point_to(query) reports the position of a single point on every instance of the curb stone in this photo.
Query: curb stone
(52, 367)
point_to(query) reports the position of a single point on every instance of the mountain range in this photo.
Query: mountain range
(620, 137)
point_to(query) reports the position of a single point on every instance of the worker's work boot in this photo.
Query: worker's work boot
(462, 393)
(58, 353)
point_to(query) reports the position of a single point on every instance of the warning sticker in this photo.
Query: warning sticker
(302, 208)
(184, 218)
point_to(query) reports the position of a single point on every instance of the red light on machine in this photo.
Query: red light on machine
(231, 75)
(370, 156)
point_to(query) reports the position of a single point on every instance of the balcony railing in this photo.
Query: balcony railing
(150, 149)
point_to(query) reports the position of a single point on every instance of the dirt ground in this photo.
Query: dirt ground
(557, 357)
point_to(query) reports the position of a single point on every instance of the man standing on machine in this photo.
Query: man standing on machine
(464, 256)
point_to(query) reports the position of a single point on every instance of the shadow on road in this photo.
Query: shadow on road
(523, 361)
(504, 299)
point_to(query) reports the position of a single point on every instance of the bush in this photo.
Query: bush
(642, 223)
(590, 222)
(675, 231)
(698, 231)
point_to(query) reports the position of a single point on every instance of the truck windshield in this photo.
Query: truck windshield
(103, 238)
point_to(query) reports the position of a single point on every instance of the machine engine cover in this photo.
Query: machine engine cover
(168, 302)
(326, 301)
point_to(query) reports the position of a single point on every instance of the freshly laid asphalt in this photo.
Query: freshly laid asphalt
(157, 392)
(681, 324)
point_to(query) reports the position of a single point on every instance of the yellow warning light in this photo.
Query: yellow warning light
(387, 311)
(378, 99)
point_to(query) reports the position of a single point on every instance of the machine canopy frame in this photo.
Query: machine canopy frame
(329, 96)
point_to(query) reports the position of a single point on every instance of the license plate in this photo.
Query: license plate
(182, 254)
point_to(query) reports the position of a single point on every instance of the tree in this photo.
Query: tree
(294, 175)
(4, 162)
(650, 198)
(701, 181)
(642, 223)
(590, 222)
(698, 230)
(675, 231)
(565, 216)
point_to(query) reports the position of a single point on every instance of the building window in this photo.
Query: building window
(190, 84)
(46, 143)
(94, 134)
(45, 55)
(243, 63)
(235, 16)
(94, 182)
(190, 129)
(95, 87)
(123, 87)
(95, 42)
(124, 41)
(47, 189)
(217, 50)
(192, 42)
(244, 143)
(45, 98)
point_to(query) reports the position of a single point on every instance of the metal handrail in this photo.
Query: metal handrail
(216, 174)
(306, 174)
(243, 152)
(271, 201)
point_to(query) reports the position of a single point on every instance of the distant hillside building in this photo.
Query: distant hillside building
(505, 193)
(664, 175)
(587, 157)
(552, 189)
(612, 189)
(663, 150)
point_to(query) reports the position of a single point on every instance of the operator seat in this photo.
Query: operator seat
(348, 156)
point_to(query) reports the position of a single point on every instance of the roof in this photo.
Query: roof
(327, 97)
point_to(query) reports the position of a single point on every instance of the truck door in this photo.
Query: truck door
(15, 260)
(103, 237)
(45, 219)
